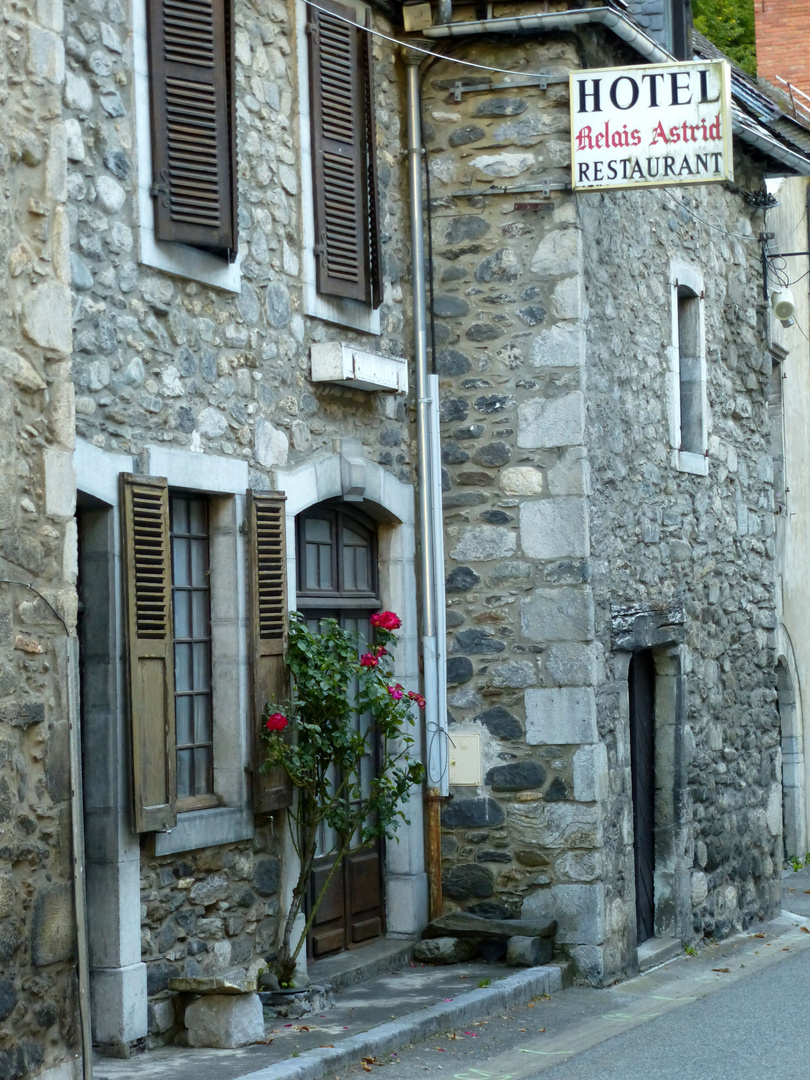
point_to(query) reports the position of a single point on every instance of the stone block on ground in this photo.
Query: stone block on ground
(444, 950)
(225, 1020)
(214, 984)
(528, 951)
(463, 924)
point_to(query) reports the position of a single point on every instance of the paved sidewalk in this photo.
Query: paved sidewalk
(729, 1013)
(368, 1020)
(796, 891)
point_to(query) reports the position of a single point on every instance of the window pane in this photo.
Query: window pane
(180, 561)
(182, 614)
(198, 517)
(202, 665)
(311, 570)
(179, 515)
(182, 667)
(202, 770)
(199, 563)
(318, 529)
(182, 719)
(200, 614)
(325, 565)
(203, 732)
(185, 763)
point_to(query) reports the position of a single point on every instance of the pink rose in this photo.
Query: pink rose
(396, 692)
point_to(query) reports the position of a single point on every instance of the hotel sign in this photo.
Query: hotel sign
(651, 126)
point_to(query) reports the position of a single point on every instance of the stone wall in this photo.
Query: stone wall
(206, 912)
(563, 503)
(167, 361)
(162, 359)
(38, 988)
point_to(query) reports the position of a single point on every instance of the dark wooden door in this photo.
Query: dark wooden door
(337, 579)
(642, 763)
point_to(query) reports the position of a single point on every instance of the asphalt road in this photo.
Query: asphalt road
(739, 1011)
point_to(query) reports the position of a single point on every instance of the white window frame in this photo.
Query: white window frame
(683, 275)
(180, 259)
(344, 312)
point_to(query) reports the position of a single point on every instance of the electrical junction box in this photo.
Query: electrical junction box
(465, 759)
(346, 365)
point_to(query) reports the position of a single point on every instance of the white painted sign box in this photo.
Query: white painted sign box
(346, 365)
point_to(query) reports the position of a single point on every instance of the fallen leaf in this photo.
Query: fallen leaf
(759, 935)
(327, 1046)
(531, 1004)
(521, 1029)
(725, 971)
(804, 930)
(542, 1029)
(303, 1027)
(786, 948)
(807, 890)
(366, 1068)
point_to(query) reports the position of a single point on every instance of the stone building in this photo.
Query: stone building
(235, 411)
(609, 506)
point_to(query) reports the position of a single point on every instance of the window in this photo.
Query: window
(195, 715)
(342, 283)
(193, 133)
(191, 612)
(336, 558)
(344, 174)
(688, 400)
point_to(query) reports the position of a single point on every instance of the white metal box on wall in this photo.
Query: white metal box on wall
(337, 362)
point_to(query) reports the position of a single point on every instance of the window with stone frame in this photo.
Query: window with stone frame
(199, 616)
(688, 400)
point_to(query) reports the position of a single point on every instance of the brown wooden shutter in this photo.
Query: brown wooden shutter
(148, 593)
(193, 133)
(268, 576)
(375, 263)
(343, 168)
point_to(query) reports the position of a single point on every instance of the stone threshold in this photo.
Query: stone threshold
(656, 951)
(359, 965)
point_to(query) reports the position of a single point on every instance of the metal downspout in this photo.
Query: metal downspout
(433, 708)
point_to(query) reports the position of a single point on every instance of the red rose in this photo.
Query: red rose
(386, 620)
(277, 722)
(417, 699)
(368, 660)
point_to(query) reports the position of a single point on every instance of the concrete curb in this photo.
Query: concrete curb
(474, 1005)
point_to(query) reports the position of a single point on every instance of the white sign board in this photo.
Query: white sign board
(651, 126)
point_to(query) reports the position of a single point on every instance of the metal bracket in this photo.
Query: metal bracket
(543, 81)
(545, 187)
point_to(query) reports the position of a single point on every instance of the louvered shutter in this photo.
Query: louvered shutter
(268, 574)
(343, 169)
(375, 266)
(147, 568)
(193, 134)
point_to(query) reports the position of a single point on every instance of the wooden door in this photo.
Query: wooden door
(337, 579)
(642, 762)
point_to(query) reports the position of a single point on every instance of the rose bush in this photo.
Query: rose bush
(315, 738)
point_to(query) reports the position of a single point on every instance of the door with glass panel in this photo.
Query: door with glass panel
(337, 578)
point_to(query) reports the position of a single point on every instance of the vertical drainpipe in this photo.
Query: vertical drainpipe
(434, 708)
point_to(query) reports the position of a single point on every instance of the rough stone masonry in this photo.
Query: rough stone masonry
(564, 507)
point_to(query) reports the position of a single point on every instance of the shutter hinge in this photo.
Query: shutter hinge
(157, 188)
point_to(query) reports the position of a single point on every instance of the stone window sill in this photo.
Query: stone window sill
(205, 828)
(697, 464)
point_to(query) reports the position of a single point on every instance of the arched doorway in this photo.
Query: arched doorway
(337, 577)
